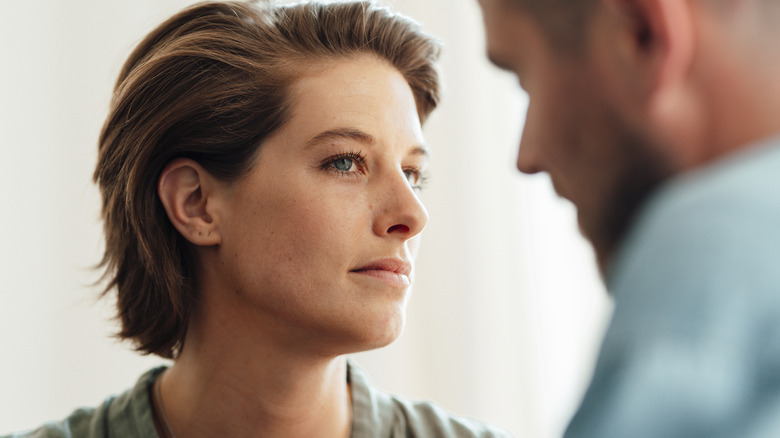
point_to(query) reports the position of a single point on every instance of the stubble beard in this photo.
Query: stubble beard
(639, 169)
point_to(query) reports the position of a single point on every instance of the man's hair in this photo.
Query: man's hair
(210, 84)
(563, 21)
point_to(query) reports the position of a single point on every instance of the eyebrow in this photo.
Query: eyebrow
(359, 136)
(342, 133)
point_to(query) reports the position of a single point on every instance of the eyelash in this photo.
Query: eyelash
(360, 161)
(356, 157)
(422, 179)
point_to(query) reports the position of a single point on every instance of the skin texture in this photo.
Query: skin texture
(573, 130)
(291, 258)
(657, 88)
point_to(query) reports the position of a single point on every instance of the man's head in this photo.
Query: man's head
(562, 21)
(624, 94)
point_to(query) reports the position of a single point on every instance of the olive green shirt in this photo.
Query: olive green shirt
(375, 414)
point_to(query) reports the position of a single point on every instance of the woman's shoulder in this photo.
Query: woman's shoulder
(82, 423)
(427, 419)
(127, 415)
(376, 413)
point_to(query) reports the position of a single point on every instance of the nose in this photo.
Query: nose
(528, 151)
(398, 212)
(526, 160)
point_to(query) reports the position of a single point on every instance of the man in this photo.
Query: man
(660, 121)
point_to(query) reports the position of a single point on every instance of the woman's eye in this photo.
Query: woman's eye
(350, 163)
(412, 176)
(415, 178)
(343, 164)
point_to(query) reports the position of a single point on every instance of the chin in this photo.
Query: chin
(386, 337)
(373, 334)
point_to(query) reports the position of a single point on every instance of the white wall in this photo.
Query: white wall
(507, 308)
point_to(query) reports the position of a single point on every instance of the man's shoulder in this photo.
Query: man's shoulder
(722, 216)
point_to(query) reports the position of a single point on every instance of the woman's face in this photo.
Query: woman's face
(319, 239)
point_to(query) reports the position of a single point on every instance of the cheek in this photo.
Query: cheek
(297, 235)
(552, 131)
(574, 124)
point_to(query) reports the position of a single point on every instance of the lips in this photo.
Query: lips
(397, 266)
(392, 271)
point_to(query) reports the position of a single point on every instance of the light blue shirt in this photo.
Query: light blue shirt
(693, 347)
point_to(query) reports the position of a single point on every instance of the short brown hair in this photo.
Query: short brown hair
(210, 84)
(563, 21)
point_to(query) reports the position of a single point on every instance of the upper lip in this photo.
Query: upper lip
(387, 264)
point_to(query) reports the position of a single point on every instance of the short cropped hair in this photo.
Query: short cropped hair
(563, 21)
(210, 84)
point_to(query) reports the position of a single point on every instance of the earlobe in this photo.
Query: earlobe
(184, 188)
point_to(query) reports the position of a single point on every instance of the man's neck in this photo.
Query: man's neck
(737, 72)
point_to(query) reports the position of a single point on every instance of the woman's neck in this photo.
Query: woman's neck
(226, 385)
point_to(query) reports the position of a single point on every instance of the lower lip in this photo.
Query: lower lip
(391, 278)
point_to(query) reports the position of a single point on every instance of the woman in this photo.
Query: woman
(259, 170)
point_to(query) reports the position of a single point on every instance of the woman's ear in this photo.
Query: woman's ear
(184, 188)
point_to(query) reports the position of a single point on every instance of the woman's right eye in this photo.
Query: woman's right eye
(343, 164)
(351, 163)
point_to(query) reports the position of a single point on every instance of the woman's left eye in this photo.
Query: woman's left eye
(415, 178)
(412, 176)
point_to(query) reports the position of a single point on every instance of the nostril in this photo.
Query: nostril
(399, 228)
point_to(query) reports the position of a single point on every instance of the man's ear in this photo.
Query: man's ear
(656, 42)
(184, 188)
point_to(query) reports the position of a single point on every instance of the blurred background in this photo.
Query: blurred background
(507, 309)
